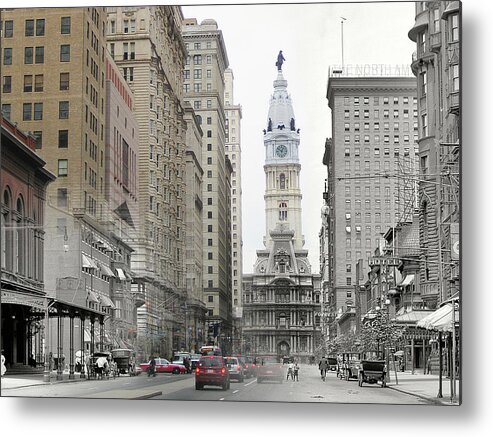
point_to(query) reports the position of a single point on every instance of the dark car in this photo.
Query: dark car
(269, 369)
(212, 370)
(332, 363)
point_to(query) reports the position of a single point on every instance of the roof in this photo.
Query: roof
(409, 239)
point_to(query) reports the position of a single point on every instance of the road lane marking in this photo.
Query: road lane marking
(236, 391)
(222, 399)
(251, 382)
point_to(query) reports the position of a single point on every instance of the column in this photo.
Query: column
(59, 369)
(71, 361)
(82, 348)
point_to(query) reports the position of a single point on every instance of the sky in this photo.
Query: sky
(310, 37)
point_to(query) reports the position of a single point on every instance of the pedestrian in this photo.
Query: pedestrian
(296, 371)
(322, 366)
(3, 368)
(290, 371)
(152, 367)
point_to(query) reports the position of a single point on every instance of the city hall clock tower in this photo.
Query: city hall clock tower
(282, 167)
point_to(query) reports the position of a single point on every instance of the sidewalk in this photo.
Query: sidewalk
(424, 386)
(18, 381)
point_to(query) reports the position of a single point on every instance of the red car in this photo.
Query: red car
(212, 370)
(164, 366)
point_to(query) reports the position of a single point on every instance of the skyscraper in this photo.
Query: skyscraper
(204, 90)
(147, 46)
(233, 151)
(371, 185)
(281, 297)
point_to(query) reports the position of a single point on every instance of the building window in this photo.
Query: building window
(348, 282)
(29, 28)
(39, 57)
(7, 56)
(63, 139)
(7, 84)
(39, 139)
(40, 27)
(38, 111)
(423, 83)
(64, 81)
(6, 110)
(65, 53)
(197, 59)
(283, 211)
(63, 110)
(28, 55)
(27, 109)
(9, 29)
(62, 167)
(65, 25)
(38, 83)
(424, 125)
(455, 28)
(455, 77)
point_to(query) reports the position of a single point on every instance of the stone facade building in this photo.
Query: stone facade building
(147, 46)
(233, 151)
(281, 299)
(204, 91)
(371, 184)
(436, 65)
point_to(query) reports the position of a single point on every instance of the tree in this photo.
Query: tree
(380, 332)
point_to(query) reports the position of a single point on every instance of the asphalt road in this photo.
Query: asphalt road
(310, 388)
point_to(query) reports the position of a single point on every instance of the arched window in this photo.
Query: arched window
(282, 181)
(20, 239)
(282, 320)
(283, 211)
(6, 233)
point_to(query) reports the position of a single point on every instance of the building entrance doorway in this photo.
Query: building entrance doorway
(283, 349)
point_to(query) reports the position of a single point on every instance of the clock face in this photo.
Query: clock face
(281, 151)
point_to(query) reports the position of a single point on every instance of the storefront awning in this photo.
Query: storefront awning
(409, 279)
(106, 301)
(121, 274)
(441, 319)
(88, 263)
(107, 271)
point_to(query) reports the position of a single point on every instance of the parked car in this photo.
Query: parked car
(235, 368)
(212, 370)
(332, 363)
(164, 366)
(269, 368)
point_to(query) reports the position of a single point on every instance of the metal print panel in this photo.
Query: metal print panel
(201, 207)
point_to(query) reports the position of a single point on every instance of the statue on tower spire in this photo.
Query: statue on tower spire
(280, 60)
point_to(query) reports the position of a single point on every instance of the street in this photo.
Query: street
(310, 388)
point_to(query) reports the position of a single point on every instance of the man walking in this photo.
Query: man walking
(323, 365)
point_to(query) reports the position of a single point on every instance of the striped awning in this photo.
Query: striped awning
(106, 301)
(105, 270)
(88, 263)
(121, 274)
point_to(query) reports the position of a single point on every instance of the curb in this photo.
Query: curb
(434, 400)
(147, 396)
